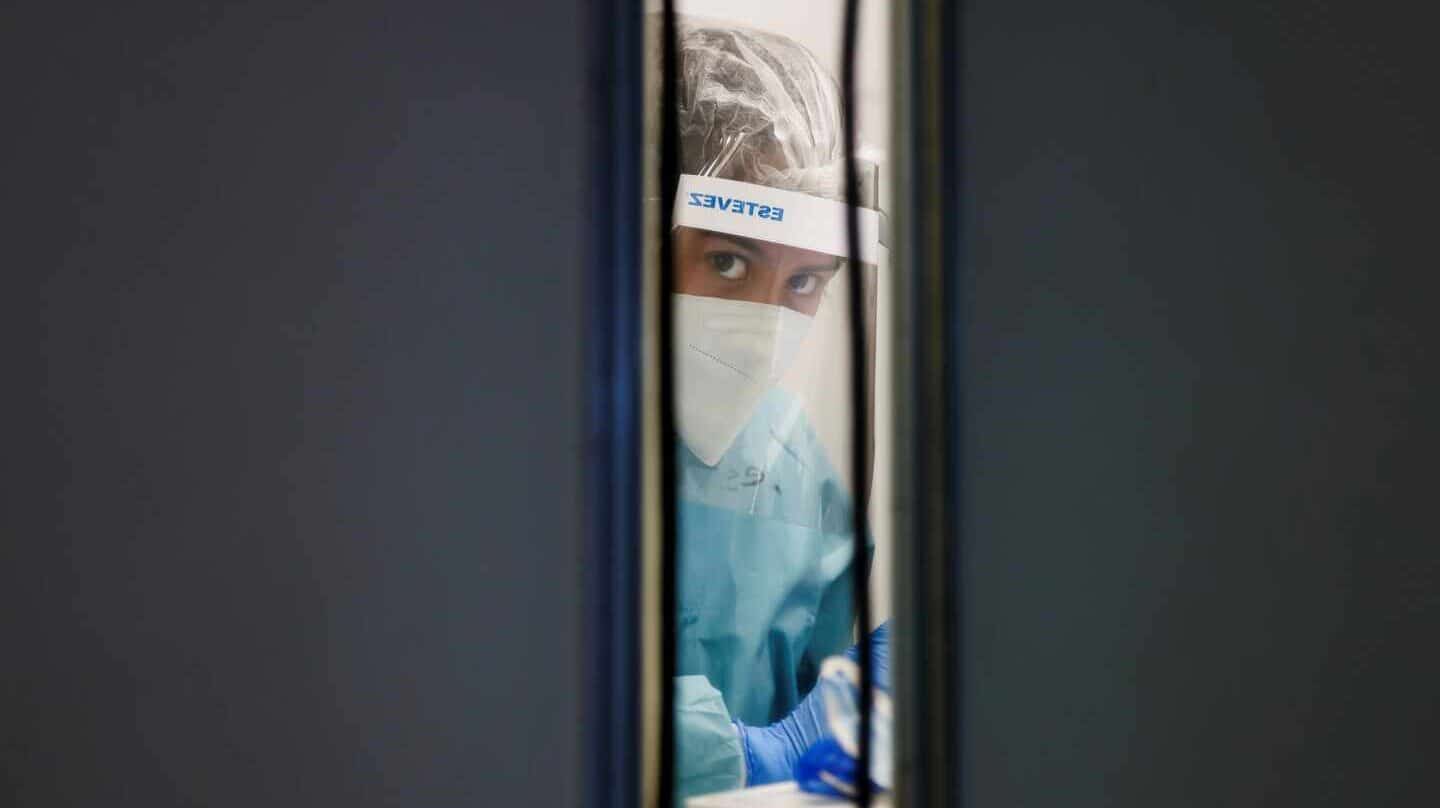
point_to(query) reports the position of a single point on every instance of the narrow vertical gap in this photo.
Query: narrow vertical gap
(860, 425)
(669, 511)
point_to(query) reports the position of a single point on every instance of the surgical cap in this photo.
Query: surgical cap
(758, 107)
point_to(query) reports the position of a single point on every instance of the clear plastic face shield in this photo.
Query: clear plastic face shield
(764, 405)
(762, 312)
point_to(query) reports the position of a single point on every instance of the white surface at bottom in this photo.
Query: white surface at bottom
(779, 795)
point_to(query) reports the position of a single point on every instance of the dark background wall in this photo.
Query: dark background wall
(293, 419)
(1202, 559)
(293, 402)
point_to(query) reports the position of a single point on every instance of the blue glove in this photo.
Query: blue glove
(771, 752)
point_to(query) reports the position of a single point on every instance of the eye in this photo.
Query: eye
(804, 283)
(729, 266)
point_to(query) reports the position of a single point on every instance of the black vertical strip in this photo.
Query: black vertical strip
(950, 237)
(934, 572)
(860, 424)
(669, 179)
(613, 364)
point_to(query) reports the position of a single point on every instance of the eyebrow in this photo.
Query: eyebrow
(748, 243)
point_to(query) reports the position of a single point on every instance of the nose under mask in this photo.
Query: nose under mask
(730, 352)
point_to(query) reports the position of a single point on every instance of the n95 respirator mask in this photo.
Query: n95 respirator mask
(729, 353)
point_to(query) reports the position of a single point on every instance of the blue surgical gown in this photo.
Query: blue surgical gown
(764, 589)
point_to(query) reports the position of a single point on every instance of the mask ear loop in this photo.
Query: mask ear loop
(860, 423)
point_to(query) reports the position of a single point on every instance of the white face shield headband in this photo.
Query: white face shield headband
(730, 353)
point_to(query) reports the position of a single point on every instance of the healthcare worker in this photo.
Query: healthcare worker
(765, 515)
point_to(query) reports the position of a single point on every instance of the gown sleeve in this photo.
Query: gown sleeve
(708, 753)
(834, 629)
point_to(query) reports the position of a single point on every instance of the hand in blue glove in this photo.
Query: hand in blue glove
(771, 752)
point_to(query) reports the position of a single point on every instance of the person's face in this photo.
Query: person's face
(712, 264)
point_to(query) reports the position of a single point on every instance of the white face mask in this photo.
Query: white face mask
(730, 352)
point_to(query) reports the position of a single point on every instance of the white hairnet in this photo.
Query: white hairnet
(758, 107)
